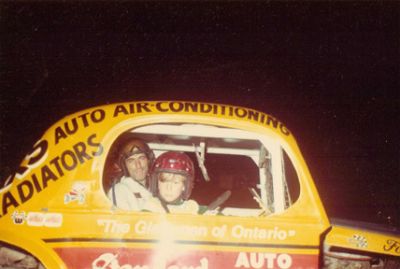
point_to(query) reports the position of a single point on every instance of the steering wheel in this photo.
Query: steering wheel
(219, 201)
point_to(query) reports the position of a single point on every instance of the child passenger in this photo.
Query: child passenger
(172, 180)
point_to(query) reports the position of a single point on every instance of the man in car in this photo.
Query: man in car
(172, 180)
(135, 160)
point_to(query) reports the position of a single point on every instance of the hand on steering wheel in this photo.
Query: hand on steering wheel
(219, 201)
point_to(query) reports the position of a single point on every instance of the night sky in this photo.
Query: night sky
(329, 71)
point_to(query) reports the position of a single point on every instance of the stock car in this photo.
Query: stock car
(55, 212)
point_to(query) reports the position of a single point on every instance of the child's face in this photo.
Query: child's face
(171, 186)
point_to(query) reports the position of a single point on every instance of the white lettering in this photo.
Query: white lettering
(149, 228)
(242, 261)
(263, 260)
(110, 261)
(256, 260)
(203, 265)
(270, 257)
(240, 232)
(113, 226)
(284, 261)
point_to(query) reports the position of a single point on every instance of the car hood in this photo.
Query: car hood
(363, 236)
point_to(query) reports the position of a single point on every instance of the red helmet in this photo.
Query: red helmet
(173, 162)
(134, 146)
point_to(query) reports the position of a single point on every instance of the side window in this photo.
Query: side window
(228, 172)
(255, 173)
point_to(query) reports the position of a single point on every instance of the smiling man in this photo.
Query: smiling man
(135, 159)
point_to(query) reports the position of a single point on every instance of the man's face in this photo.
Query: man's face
(171, 186)
(138, 166)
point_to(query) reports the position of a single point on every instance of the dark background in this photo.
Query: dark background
(329, 70)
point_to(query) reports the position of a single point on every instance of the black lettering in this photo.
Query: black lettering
(41, 147)
(240, 112)
(392, 245)
(84, 120)
(160, 108)
(64, 159)
(284, 130)
(80, 151)
(223, 110)
(205, 108)
(94, 144)
(56, 163)
(59, 133)
(253, 115)
(262, 118)
(131, 108)
(47, 175)
(8, 200)
(36, 183)
(230, 111)
(74, 126)
(98, 115)
(191, 107)
(120, 109)
(273, 121)
(215, 111)
(25, 195)
(143, 107)
(179, 106)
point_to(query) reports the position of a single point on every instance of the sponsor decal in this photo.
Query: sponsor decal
(114, 226)
(392, 246)
(18, 217)
(39, 219)
(263, 260)
(202, 108)
(35, 219)
(149, 228)
(109, 260)
(77, 193)
(82, 121)
(172, 258)
(53, 219)
(359, 241)
(68, 160)
(238, 231)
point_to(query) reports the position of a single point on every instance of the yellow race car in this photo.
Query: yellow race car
(261, 207)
